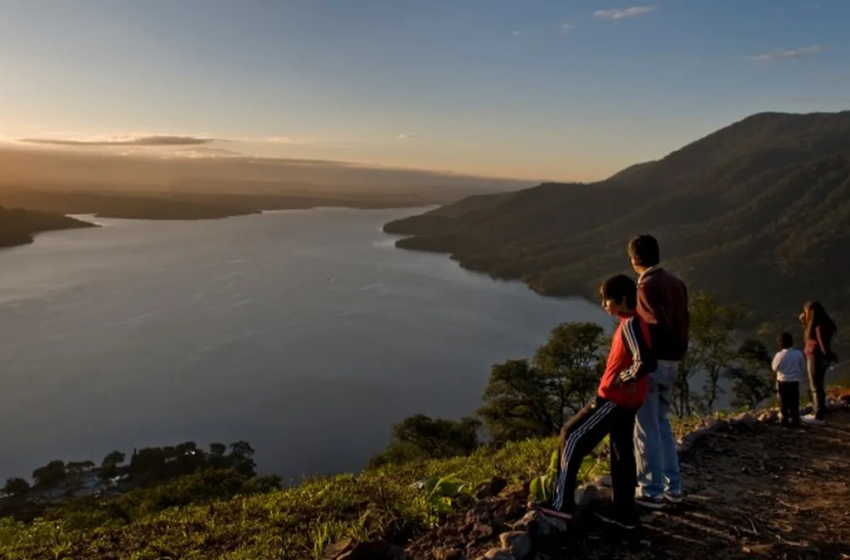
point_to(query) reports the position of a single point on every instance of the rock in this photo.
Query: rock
(518, 543)
(481, 531)
(768, 416)
(447, 553)
(490, 489)
(537, 525)
(498, 554)
(334, 550)
(586, 495)
(605, 481)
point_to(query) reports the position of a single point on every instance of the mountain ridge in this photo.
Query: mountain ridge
(755, 211)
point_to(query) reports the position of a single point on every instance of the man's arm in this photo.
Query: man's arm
(643, 358)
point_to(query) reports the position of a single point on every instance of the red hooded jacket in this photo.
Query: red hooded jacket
(631, 359)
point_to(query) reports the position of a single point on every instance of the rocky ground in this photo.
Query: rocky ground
(754, 489)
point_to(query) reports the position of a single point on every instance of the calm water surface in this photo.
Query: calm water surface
(306, 333)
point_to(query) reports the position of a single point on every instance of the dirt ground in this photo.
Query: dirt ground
(759, 492)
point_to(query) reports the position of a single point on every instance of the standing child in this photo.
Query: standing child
(622, 390)
(790, 367)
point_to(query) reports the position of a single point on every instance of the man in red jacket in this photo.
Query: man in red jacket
(622, 390)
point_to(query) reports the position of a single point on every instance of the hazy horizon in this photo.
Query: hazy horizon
(549, 91)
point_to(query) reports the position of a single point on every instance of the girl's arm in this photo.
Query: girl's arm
(823, 347)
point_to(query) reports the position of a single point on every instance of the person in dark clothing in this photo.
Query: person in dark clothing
(789, 364)
(819, 330)
(621, 391)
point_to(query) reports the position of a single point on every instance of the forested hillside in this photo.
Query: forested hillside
(757, 212)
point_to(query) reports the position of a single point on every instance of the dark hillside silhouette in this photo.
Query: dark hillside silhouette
(18, 226)
(758, 212)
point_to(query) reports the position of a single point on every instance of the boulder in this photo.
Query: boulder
(519, 543)
(491, 488)
(447, 553)
(537, 525)
(498, 554)
(587, 494)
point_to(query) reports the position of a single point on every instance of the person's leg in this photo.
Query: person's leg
(820, 388)
(647, 445)
(782, 392)
(794, 402)
(671, 471)
(580, 436)
(623, 467)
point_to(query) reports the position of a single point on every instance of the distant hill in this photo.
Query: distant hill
(758, 212)
(18, 226)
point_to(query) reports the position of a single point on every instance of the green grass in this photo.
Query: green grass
(296, 522)
(292, 523)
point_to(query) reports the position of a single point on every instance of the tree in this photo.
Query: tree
(752, 375)
(421, 437)
(51, 473)
(241, 454)
(241, 449)
(112, 460)
(571, 362)
(518, 403)
(109, 465)
(711, 328)
(526, 399)
(15, 486)
(217, 449)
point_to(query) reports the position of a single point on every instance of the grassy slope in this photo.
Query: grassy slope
(292, 523)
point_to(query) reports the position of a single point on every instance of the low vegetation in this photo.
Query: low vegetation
(203, 505)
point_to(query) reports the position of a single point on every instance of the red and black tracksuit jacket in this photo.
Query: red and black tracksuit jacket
(622, 390)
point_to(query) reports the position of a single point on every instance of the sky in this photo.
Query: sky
(534, 89)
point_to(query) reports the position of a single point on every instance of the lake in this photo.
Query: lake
(304, 332)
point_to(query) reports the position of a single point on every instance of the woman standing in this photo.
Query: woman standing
(819, 330)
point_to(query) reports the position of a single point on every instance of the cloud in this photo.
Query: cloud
(567, 27)
(787, 54)
(517, 33)
(287, 140)
(154, 140)
(624, 13)
(405, 136)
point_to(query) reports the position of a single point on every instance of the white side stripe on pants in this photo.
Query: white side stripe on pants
(569, 447)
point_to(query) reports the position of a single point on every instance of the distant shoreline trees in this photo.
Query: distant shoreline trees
(533, 397)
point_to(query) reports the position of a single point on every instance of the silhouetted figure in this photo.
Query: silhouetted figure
(819, 330)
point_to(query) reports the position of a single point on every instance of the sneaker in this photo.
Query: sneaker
(650, 502)
(811, 420)
(673, 497)
(612, 517)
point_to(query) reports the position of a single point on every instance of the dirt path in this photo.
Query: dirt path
(760, 492)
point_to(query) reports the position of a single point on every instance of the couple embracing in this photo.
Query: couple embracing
(633, 399)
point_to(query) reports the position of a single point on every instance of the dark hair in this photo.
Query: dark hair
(618, 288)
(819, 319)
(785, 340)
(644, 250)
